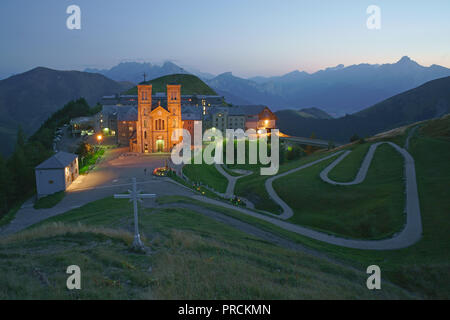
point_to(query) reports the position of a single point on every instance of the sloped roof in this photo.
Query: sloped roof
(127, 113)
(58, 161)
(191, 113)
(246, 110)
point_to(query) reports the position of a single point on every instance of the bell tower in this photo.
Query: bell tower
(174, 107)
(143, 127)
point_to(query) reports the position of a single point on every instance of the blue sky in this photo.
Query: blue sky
(247, 37)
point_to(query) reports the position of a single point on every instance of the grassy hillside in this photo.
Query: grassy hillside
(425, 102)
(190, 84)
(372, 209)
(193, 257)
(314, 113)
(206, 174)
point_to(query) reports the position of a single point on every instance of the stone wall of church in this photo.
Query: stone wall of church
(124, 131)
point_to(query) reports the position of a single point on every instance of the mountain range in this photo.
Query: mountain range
(430, 100)
(336, 90)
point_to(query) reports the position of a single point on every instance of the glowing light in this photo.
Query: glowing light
(266, 122)
(99, 137)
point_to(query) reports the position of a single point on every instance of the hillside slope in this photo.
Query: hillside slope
(425, 102)
(190, 84)
(314, 113)
(28, 99)
(214, 260)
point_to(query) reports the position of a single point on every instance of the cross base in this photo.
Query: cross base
(137, 243)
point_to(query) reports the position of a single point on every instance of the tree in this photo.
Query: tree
(331, 145)
(21, 138)
(293, 152)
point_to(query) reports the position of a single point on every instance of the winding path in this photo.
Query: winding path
(411, 233)
(229, 193)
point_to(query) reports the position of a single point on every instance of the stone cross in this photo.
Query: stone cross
(134, 197)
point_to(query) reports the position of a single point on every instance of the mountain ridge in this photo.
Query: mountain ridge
(29, 98)
(428, 101)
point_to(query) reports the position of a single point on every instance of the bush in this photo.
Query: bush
(354, 138)
(294, 152)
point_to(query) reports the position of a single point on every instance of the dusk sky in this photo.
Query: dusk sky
(247, 37)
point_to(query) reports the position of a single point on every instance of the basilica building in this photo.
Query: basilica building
(156, 120)
(145, 122)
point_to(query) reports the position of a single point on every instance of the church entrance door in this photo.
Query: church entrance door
(159, 145)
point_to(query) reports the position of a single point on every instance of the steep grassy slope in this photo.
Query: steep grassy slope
(190, 84)
(193, 257)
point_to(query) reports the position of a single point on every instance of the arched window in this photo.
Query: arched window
(156, 124)
(163, 125)
(145, 134)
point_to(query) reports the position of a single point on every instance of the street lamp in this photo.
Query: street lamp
(99, 138)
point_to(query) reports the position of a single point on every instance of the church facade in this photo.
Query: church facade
(146, 122)
(156, 120)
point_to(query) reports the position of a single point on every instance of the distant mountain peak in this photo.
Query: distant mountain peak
(226, 74)
(406, 60)
(339, 66)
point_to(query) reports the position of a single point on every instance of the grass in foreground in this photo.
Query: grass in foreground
(193, 257)
(49, 201)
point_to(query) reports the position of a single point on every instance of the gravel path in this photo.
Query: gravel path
(411, 233)
(229, 193)
(27, 215)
